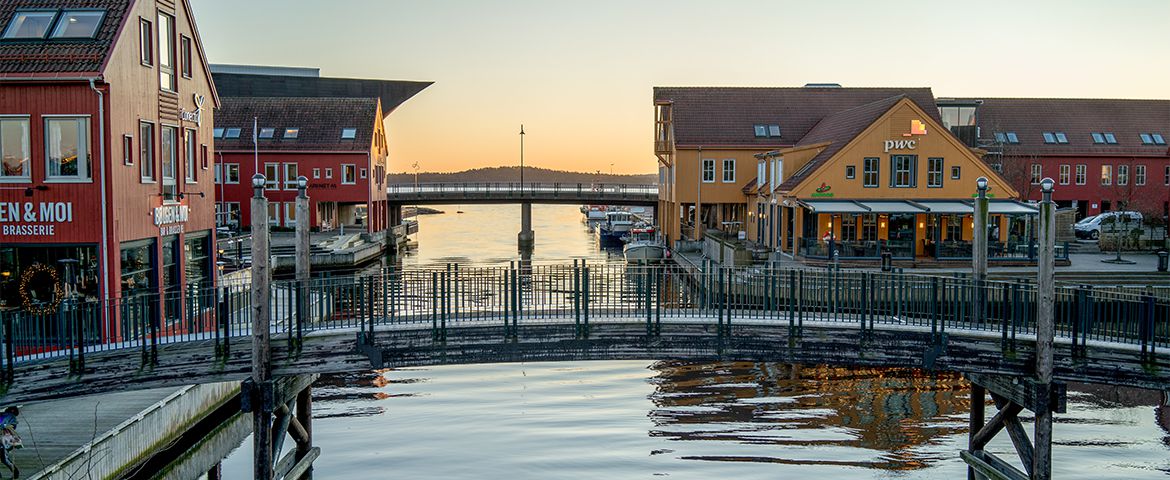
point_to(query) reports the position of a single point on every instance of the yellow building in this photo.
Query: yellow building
(850, 173)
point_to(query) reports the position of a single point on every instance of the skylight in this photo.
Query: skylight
(764, 130)
(761, 130)
(291, 133)
(1158, 139)
(1098, 138)
(232, 133)
(1146, 139)
(78, 24)
(267, 132)
(1061, 137)
(1012, 138)
(774, 130)
(999, 137)
(1109, 138)
(1049, 137)
(348, 133)
(217, 132)
(29, 25)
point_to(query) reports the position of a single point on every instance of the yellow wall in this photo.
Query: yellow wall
(688, 168)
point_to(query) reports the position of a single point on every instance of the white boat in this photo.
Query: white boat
(642, 245)
(594, 213)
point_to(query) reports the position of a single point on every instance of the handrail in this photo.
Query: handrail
(525, 189)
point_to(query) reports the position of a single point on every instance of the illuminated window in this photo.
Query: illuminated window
(29, 25)
(78, 24)
(1106, 174)
(291, 133)
(348, 174)
(15, 149)
(272, 176)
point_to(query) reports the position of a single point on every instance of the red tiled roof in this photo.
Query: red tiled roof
(51, 56)
(838, 129)
(1078, 118)
(320, 121)
(724, 116)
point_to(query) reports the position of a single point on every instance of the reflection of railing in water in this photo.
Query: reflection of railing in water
(452, 296)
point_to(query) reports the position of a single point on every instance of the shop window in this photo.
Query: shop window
(850, 172)
(138, 267)
(172, 290)
(16, 262)
(869, 172)
(934, 172)
(1064, 174)
(185, 56)
(168, 161)
(708, 170)
(272, 176)
(1106, 174)
(29, 25)
(191, 152)
(232, 173)
(1123, 174)
(1082, 173)
(348, 174)
(1037, 171)
(729, 170)
(15, 150)
(166, 54)
(67, 148)
(1139, 175)
(956, 172)
(903, 171)
(290, 176)
(197, 271)
(267, 133)
(146, 151)
(291, 133)
(127, 150)
(348, 133)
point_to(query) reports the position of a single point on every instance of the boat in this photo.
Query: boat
(594, 213)
(615, 226)
(643, 245)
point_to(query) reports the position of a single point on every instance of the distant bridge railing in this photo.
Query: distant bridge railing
(574, 192)
(448, 297)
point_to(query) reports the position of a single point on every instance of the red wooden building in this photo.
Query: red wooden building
(329, 130)
(106, 126)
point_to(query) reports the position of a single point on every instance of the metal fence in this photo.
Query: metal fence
(446, 297)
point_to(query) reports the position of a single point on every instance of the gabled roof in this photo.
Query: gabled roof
(838, 129)
(1078, 118)
(391, 92)
(320, 121)
(57, 57)
(724, 116)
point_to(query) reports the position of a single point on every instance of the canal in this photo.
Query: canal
(642, 419)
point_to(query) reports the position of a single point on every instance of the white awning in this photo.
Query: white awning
(948, 207)
(1012, 207)
(891, 206)
(834, 206)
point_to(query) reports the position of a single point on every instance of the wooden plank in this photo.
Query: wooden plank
(304, 464)
(990, 466)
(1022, 390)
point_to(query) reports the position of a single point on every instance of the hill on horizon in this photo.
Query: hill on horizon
(531, 174)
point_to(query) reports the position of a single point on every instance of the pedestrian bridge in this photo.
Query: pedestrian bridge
(563, 193)
(450, 315)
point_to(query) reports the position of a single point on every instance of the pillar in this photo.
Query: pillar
(303, 263)
(526, 238)
(261, 366)
(1045, 330)
(305, 418)
(979, 249)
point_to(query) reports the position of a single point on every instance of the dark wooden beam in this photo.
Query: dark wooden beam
(1022, 390)
(994, 426)
(991, 466)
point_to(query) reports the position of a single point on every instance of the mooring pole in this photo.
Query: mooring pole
(979, 251)
(305, 418)
(1045, 330)
(302, 262)
(261, 365)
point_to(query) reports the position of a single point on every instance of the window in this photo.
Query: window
(29, 24)
(1158, 140)
(869, 172)
(956, 172)
(78, 24)
(146, 151)
(185, 56)
(728, 170)
(217, 132)
(903, 170)
(1139, 175)
(290, 214)
(708, 170)
(1123, 174)
(773, 130)
(934, 172)
(999, 137)
(363, 173)
(168, 161)
(203, 155)
(272, 176)
(1166, 179)
(1082, 172)
(218, 174)
(274, 213)
(764, 130)
(145, 42)
(1037, 172)
(316, 173)
(15, 149)
(1065, 173)
(328, 173)
(232, 133)
(1012, 138)
(761, 130)
(191, 160)
(290, 176)
(1110, 138)
(348, 174)
(348, 133)
(1049, 137)
(291, 133)
(67, 148)
(1061, 137)
(127, 150)
(1146, 139)
(1106, 174)
(267, 132)
(166, 53)
(850, 171)
(233, 173)
(1098, 138)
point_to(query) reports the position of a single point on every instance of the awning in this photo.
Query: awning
(894, 206)
(948, 207)
(834, 206)
(1012, 208)
(934, 207)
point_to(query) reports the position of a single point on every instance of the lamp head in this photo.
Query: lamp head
(1046, 185)
(981, 183)
(302, 182)
(257, 181)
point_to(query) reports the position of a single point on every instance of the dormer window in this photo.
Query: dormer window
(348, 133)
(30, 25)
(78, 24)
(291, 133)
(267, 132)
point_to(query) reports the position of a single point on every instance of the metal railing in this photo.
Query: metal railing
(451, 296)
(516, 189)
(819, 248)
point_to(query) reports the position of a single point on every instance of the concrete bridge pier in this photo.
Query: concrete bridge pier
(526, 238)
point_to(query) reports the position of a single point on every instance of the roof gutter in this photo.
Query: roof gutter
(42, 79)
(102, 167)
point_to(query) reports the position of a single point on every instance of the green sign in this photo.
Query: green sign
(822, 194)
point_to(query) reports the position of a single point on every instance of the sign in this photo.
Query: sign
(169, 218)
(823, 191)
(34, 218)
(916, 128)
(900, 145)
(197, 115)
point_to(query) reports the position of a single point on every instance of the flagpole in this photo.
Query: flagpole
(255, 147)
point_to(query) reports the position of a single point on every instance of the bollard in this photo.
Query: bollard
(887, 261)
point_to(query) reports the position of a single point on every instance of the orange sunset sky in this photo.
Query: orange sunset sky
(579, 75)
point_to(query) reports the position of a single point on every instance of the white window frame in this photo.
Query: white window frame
(127, 149)
(290, 209)
(24, 122)
(271, 176)
(708, 166)
(328, 172)
(1122, 175)
(146, 164)
(1082, 174)
(316, 173)
(191, 150)
(290, 181)
(273, 216)
(728, 167)
(1037, 173)
(1065, 173)
(84, 173)
(218, 173)
(173, 180)
(231, 168)
(345, 168)
(1139, 175)
(166, 64)
(363, 173)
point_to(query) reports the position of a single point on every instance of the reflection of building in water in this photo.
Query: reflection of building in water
(353, 394)
(883, 410)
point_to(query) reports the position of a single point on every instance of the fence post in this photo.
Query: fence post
(659, 276)
(576, 298)
(1147, 329)
(585, 299)
(516, 298)
(434, 305)
(9, 352)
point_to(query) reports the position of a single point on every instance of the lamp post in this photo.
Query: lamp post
(261, 379)
(521, 157)
(526, 238)
(979, 248)
(1045, 330)
(302, 249)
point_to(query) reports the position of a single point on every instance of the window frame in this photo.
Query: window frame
(876, 171)
(145, 42)
(174, 179)
(272, 182)
(910, 170)
(1081, 175)
(290, 182)
(1106, 175)
(1012, 138)
(1061, 138)
(728, 162)
(352, 136)
(204, 152)
(316, 173)
(267, 133)
(850, 172)
(1065, 174)
(1110, 138)
(956, 172)
(84, 140)
(1036, 173)
(704, 164)
(57, 22)
(127, 149)
(1049, 137)
(930, 171)
(190, 164)
(184, 56)
(27, 145)
(52, 12)
(363, 173)
(1122, 175)
(1139, 175)
(345, 168)
(296, 133)
(166, 68)
(227, 174)
(146, 170)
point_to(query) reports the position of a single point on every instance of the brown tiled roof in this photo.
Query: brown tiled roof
(1029, 118)
(392, 92)
(320, 121)
(838, 129)
(724, 116)
(64, 56)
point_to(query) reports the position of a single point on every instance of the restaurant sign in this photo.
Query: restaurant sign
(170, 218)
(34, 218)
(197, 115)
(823, 191)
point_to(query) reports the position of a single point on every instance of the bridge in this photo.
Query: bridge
(525, 194)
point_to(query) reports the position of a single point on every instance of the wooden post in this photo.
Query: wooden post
(978, 394)
(305, 418)
(1045, 330)
(303, 265)
(979, 250)
(261, 364)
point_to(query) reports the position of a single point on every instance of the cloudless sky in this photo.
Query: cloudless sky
(579, 75)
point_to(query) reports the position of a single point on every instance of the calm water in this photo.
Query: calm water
(649, 419)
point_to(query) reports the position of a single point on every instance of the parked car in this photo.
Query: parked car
(1090, 227)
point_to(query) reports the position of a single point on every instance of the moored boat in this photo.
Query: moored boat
(643, 245)
(615, 226)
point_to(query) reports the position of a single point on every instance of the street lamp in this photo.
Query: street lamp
(521, 157)
(302, 186)
(979, 248)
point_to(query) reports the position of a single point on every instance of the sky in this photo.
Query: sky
(580, 75)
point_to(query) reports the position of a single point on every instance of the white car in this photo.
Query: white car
(1090, 227)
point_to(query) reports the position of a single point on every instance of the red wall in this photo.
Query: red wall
(1149, 197)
